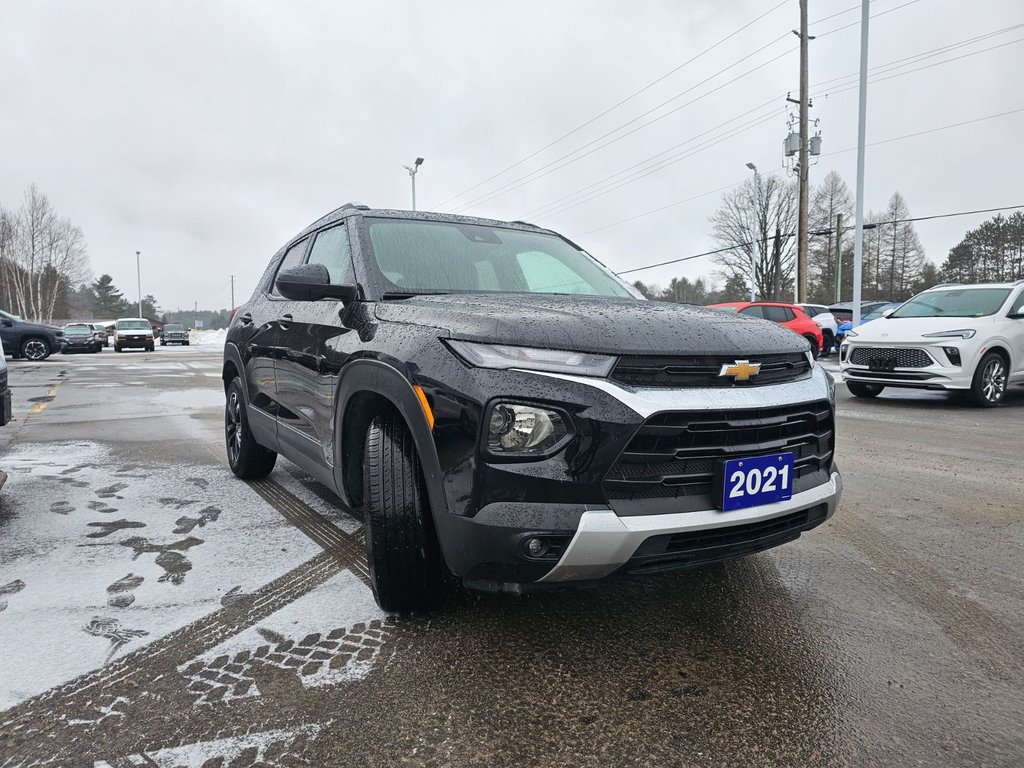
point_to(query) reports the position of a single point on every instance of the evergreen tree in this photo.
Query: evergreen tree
(110, 302)
(993, 252)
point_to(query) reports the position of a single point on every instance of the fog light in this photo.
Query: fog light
(524, 429)
(953, 354)
(535, 547)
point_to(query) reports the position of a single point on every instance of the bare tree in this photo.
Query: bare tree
(765, 205)
(41, 257)
(829, 199)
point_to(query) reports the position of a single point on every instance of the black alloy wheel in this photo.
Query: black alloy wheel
(407, 571)
(864, 389)
(247, 459)
(35, 349)
(828, 342)
(990, 379)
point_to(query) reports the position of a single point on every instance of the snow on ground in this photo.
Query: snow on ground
(209, 338)
(101, 558)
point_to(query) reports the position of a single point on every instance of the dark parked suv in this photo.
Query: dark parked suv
(503, 409)
(31, 341)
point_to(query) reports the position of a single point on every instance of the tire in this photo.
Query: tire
(814, 346)
(150, 349)
(117, 347)
(407, 572)
(185, 343)
(34, 349)
(990, 378)
(247, 459)
(864, 389)
(828, 342)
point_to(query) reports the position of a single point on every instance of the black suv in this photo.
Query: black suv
(501, 408)
(31, 341)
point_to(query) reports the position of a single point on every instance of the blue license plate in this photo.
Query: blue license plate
(757, 480)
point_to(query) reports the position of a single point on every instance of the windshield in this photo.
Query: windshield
(134, 325)
(8, 316)
(174, 328)
(955, 302)
(442, 257)
(78, 330)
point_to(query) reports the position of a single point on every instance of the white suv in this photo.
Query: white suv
(820, 314)
(952, 337)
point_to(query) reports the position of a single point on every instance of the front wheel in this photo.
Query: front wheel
(864, 389)
(815, 349)
(989, 385)
(247, 459)
(35, 350)
(827, 343)
(407, 572)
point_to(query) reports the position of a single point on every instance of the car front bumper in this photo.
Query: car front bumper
(940, 374)
(134, 341)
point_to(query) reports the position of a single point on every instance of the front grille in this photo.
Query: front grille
(703, 370)
(906, 357)
(686, 550)
(673, 455)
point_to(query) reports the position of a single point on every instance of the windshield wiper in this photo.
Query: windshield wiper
(390, 295)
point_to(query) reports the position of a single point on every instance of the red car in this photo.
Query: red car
(789, 315)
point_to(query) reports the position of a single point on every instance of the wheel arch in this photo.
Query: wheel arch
(366, 388)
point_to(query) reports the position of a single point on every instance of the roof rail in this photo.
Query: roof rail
(943, 285)
(354, 204)
(1018, 282)
(524, 223)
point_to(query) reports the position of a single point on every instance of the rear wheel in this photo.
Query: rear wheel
(117, 347)
(989, 385)
(248, 459)
(35, 349)
(406, 569)
(864, 389)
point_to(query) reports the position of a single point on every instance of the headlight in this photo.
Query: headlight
(960, 333)
(525, 430)
(830, 382)
(532, 359)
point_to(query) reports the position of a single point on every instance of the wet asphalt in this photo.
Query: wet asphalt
(892, 635)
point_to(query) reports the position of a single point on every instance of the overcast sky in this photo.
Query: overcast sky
(205, 134)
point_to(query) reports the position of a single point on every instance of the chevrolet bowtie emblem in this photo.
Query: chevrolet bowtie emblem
(741, 370)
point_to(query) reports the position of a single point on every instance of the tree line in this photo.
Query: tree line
(759, 218)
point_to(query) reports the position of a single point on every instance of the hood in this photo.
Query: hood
(889, 330)
(25, 325)
(592, 324)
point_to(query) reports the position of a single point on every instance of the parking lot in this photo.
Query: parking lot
(155, 610)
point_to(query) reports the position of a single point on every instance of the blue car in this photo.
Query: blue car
(872, 315)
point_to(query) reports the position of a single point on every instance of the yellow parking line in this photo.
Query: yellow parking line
(40, 407)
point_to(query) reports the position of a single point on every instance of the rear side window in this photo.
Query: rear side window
(778, 314)
(331, 249)
(813, 311)
(753, 312)
(291, 259)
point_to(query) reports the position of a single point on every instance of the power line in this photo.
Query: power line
(930, 130)
(548, 168)
(790, 234)
(615, 106)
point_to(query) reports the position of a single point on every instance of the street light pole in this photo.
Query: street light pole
(412, 175)
(753, 241)
(138, 278)
(862, 112)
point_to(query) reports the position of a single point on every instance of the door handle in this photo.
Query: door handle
(284, 321)
(245, 319)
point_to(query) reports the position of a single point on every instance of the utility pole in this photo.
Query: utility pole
(862, 114)
(839, 257)
(232, 291)
(138, 277)
(801, 231)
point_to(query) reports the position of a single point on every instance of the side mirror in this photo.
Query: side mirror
(8, 323)
(1016, 315)
(310, 282)
(887, 312)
